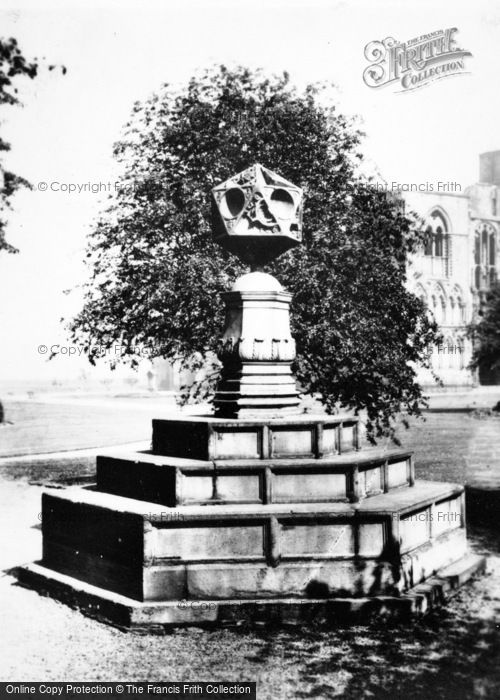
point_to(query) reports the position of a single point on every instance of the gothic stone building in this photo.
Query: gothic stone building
(458, 265)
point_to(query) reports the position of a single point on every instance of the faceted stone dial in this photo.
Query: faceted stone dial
(257, 215)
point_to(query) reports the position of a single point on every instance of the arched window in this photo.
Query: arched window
(422, 294)
(453, 311)
(439, 303)
(456, 307)
(429, 239)
(477, 277)
(477, 250)
(442, 311)
(436, 242)
(485, 256)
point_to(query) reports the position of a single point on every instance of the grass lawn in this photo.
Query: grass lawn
(35, 428)
(440, 444)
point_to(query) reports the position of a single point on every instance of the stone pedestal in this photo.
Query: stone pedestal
(257, 350)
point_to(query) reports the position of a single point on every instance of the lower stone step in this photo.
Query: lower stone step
(145, 551)
(146, 617)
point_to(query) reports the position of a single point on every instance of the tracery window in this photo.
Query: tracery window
(485, 256)
(436, 241)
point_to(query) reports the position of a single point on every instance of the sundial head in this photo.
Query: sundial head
(257, 215)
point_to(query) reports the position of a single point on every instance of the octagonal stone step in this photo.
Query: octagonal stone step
(157, 617)
(385, 544)
(172, 481)
(209, 438)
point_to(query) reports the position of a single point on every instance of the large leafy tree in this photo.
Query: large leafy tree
(12, 66)
(157, 275)
(486, 336)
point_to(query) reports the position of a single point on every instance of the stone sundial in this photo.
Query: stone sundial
(259, 512)
(257, 215)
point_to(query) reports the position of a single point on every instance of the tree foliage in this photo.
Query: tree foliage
(486, 335)
(157, 275)
(12, 66)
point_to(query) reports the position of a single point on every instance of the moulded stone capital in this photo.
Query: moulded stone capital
(257, 349)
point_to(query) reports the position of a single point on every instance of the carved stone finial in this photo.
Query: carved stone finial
(257, 215)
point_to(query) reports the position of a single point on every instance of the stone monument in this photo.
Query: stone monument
(256, 511)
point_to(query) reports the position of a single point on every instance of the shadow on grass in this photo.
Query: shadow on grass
(444, 657)
(451, 654)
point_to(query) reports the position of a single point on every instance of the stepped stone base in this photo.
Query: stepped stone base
(224, 517)
(150, 617)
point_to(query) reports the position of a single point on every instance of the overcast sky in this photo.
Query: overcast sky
(120, 52)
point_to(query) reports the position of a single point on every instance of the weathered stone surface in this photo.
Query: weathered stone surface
(173, 481)
(257, 215)
(256, 351)
(247, 551)
(155, 616)
(214, 438)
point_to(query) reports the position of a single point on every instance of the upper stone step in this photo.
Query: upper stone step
(209, 438)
